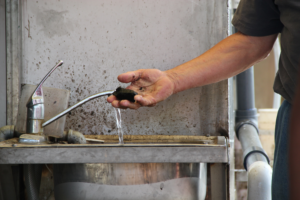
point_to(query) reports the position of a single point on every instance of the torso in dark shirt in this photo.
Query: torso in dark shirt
(266, 17)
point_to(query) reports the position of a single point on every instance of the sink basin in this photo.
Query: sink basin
(146, 166)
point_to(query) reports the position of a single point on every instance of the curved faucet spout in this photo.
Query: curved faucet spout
(37, 95)
(76, 105)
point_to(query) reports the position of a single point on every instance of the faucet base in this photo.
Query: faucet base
(31, 138)
(34, 126)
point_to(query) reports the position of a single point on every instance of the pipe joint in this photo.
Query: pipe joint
(251, 150)
(75, 137)
(250, 113)
(239, 125)
(7, 132)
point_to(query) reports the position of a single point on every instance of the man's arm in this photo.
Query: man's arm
(229, 57)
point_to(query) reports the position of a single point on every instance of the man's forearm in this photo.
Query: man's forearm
(229, 57)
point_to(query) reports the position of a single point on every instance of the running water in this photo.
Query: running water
(119, 125)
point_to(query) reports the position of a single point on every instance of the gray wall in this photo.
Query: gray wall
(2, 65)
(100, 39)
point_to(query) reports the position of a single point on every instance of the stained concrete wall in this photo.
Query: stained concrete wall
(100, 39)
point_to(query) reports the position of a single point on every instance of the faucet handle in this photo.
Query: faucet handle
(37, 95)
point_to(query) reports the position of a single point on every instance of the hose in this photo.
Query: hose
(32, 176)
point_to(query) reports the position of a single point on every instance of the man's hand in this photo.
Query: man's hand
(152, 86)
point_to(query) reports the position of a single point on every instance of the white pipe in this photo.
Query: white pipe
(256, 163)
(250, 141)
(259, 181)
(202, 181)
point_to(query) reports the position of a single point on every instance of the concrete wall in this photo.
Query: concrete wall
(100, 39)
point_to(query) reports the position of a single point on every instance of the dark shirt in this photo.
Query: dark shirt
(267, 17)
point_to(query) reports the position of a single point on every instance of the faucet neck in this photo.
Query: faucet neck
(35, 118)
(35, 106)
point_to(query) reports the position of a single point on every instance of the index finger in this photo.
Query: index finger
(129, 76)
(111, 98)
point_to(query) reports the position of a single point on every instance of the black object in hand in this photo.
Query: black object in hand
(122, 94)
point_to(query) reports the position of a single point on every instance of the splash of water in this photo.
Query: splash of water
(119, 125)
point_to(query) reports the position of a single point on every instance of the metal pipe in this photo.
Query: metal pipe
(256, 162)
(245, 96)
(76, 105)
(245, 90)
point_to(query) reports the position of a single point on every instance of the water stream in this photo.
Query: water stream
(119, 124)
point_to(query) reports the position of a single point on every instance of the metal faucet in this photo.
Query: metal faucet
(35, 109)
(35, 106)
